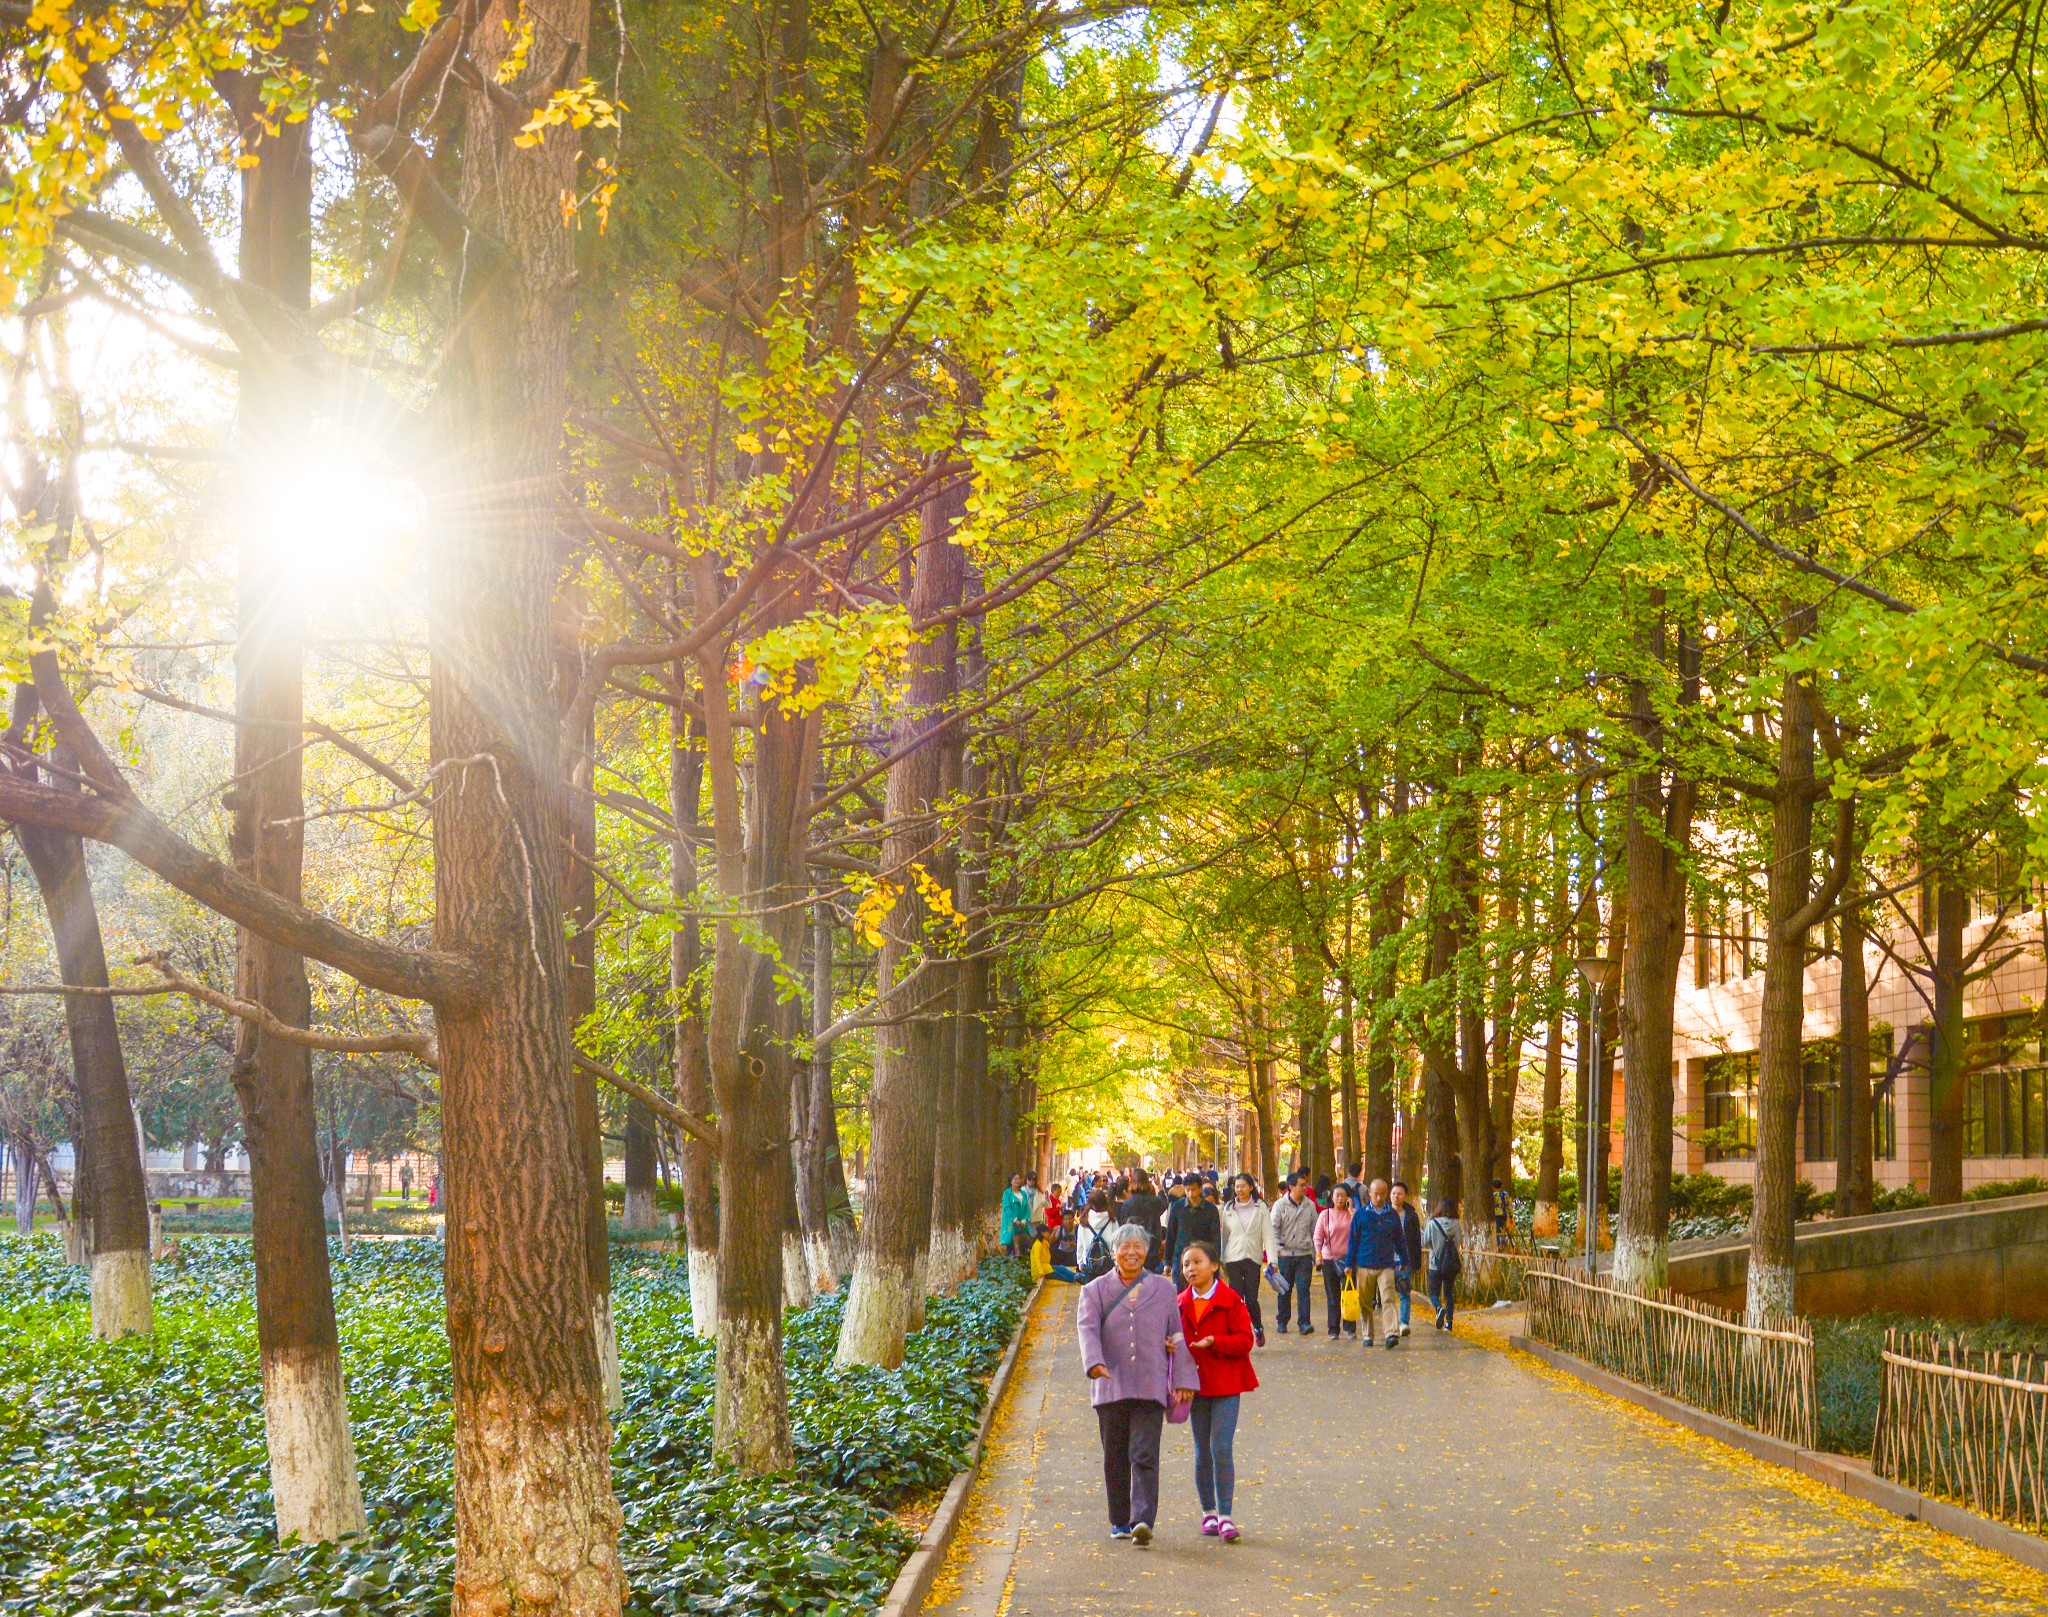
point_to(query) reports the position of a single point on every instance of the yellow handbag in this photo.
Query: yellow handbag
(1347, 1301)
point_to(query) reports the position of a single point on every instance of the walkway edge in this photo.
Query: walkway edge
(1842, 1472)
(914, 1581)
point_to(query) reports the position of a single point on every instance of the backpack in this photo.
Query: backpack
(1449, 1263)
(1098, 1253)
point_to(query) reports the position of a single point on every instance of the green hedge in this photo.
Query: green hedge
(1848, 1371)
(137, 1479)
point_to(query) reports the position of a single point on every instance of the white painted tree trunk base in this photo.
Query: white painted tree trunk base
(796, 1272)
(750, 1405)
(120, 1294)
(312, 1455)
(1543, 1222)
(877, 1315)
(953, 1258)
(703, 1291)
(640, 1211)
(818, 1260)
(536, 1522)
(1642, 1261)
(1772, 1290)
(606, 1330)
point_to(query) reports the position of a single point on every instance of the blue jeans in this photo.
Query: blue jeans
(1215, 1423)
(1443, 1291)
(1295, 1274)
(1403, 1286)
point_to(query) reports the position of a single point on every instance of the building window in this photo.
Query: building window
(1820, 1101)
(1884, 1125)
(1730, 1133)
(2005, 1108)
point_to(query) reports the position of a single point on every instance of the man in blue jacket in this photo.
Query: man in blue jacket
(1378, 1255)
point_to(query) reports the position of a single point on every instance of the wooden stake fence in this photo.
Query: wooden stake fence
(1492, 1275)
(1972, 1425)
(1761, 1377)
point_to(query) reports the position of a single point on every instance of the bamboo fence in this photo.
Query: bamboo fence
(1968, 1424)
(1492, 1275)
(1758, 1376)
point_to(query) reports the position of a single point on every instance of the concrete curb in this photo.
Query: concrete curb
(1842, 1472)
(914, 1580)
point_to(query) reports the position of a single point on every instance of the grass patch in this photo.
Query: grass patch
(137, 1480)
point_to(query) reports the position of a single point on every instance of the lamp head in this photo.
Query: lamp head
(1598, 970)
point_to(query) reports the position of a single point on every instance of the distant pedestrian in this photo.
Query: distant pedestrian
(1354, 1182)
(1503, 1211)
(1146, 1208)
(1411, 1247)
(434, 1191)
(1037, 1197)
(1015, 1233)
(1091, 1252)
(1294, 1248)
(1376, 1258)
(1333, 1245)
(1137, 1359)
(1218, 1330)
(405, 1181)
(1441, 1238)
(1247, 1245)
(1199, 1221)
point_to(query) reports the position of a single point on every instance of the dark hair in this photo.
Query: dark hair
(1141, 1183)
(1346, 1189)
(1354, 1168)
(1447, 1208)
(1097, 1202)
(1209, 1193)
(1323, 1183)
(1496, 1184)
(1398, 1184)
(1247, 1178)
(1205, 1248)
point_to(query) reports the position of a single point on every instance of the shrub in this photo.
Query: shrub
(138, 1481)
(1848, 1371)
(2032, 1185)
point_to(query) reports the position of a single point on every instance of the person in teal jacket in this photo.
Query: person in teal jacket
(1015, 1233)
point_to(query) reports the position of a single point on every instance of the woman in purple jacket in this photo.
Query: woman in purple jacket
(1132, 1349)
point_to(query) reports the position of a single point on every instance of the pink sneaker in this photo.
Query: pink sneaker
(1226, 1529)
(1209, 1526)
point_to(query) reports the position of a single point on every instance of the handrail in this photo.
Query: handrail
(1674, 1308)
(1969, 1375)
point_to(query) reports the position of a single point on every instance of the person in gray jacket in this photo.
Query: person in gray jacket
(1294, 1247)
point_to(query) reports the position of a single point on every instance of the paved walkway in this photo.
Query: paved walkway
(1440, 1476)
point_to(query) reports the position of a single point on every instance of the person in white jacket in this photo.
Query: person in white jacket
(1247, 1247)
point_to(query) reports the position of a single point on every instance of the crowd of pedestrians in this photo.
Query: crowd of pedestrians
(1170, 1309)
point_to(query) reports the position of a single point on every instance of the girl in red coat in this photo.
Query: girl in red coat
(1218, 1330)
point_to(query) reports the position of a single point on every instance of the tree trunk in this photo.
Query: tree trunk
(1946, 1086)
(1543, 1223)
(537, 1525)
(1506, 1044)
(1440, 1066)
(1656, 836)
(313, 1476)
(1854, 1175)
(1388, 904)
(119, 1252)
(692, 1054)
(640, 1168)
(911, 1057)
(761, 871)
(1790, 880)
(579, 889)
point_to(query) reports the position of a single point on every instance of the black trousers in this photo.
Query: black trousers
(1130, 1459)
(1243, 1276)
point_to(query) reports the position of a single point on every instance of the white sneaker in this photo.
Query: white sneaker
(1404, 1330)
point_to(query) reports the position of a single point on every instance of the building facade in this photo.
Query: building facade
(1720, 994)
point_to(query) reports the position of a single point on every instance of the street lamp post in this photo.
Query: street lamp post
(1599, 974)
